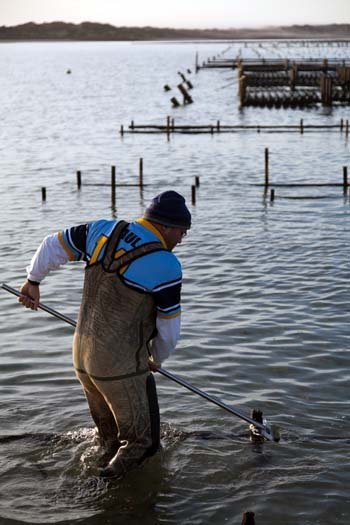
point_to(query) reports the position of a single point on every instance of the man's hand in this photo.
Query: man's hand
(153, 366)
(30, 295)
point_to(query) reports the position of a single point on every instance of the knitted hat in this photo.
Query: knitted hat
(169, 208)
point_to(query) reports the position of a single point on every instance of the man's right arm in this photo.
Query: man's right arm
(55, 250)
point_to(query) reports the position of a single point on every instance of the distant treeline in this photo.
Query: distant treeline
(94, 31)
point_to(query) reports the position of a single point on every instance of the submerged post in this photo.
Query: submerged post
(175, 102)
(113, 186)
(197, 181)
(266, 169)
(193, 194)
(168, 127)
(257, 415)
(43, 194)
(141, 172)
(248, 518)
(79, 179)
(187, 98)
(345, 179)
(242, 89)
(326, 90)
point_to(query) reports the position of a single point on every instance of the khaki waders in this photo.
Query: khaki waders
(110, 356)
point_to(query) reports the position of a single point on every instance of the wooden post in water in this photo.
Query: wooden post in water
(257, 415)
(266, 169)
(322, 88)
(345, 179)
(196, 64)
(141, 172)
(132, 124)
(122, 130)
(43, 194)
(347, 128)
(175, 102)
(187, 98)
(326, 90)
(79, 179)
(197, 181)
(248, 518)
(113, 186)
(293, 74)
(301, 126)
(168, 127)
(193, 194)
(341, 124)
(272, 195)
(218, 126)
(242, 89)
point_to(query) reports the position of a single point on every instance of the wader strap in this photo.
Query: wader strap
(110, 264)
(128, 257)
(112, 244)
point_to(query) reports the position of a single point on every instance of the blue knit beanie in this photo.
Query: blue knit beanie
(169, 208)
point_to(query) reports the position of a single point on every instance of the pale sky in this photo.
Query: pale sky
(177, 13)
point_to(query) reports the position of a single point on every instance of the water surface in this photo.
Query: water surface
(265, 294)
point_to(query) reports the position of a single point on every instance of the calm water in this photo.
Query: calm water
(265, 296)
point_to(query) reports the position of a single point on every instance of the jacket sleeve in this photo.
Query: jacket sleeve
(167, 296)
(57, 249)
(49, 256)
(168, 333)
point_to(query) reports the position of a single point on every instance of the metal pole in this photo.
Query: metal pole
(216, 401)
(42, 306)
(265, 431)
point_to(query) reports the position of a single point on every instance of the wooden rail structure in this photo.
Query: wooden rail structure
(285, 84)
(268, 184)
(288, 82)
(218, 127)
(236, 62)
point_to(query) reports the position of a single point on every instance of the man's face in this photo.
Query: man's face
(173, 236)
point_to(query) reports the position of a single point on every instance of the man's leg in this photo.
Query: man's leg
(134, 404)
(101, 414)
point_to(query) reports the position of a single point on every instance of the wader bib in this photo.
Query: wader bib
(110, 356)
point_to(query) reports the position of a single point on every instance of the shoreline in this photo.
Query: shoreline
(180, 40)
(90, 31)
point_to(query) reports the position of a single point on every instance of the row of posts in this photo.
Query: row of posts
(197, 180)
(113, 179)
(272, 193)
(114, 185)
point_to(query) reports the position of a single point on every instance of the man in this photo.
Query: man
(129, 319)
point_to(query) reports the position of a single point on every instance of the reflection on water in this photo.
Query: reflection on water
(265, 291)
